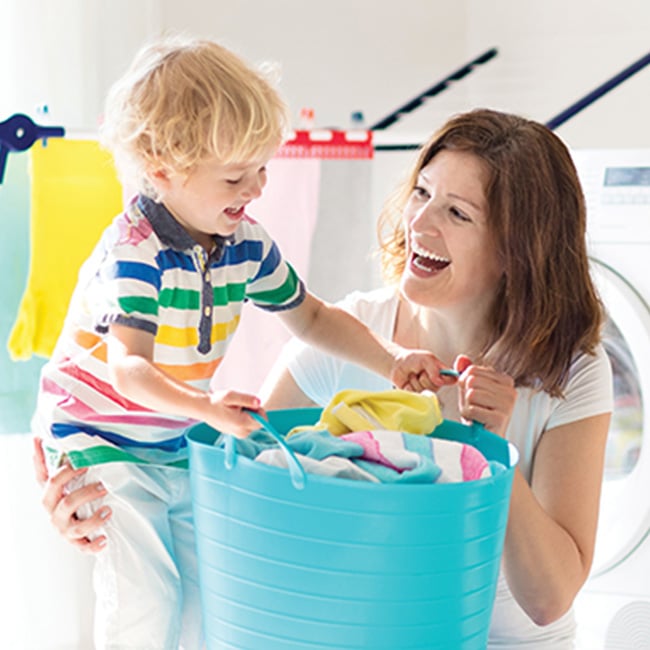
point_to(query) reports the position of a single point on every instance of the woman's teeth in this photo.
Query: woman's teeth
(426, 260)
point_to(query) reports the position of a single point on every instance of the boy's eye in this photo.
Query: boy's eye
(420, 192)
(233, 181)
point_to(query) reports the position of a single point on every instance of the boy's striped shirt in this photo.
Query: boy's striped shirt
(147, 272)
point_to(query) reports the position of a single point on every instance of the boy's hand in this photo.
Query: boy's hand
(418, 370)
(227, 412)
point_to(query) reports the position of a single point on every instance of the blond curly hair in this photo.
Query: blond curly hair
(184, 100)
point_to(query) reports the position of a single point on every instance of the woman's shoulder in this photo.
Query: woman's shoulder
(589, 389)
(594, 364)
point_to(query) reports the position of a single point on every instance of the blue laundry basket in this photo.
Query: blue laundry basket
(346, 564)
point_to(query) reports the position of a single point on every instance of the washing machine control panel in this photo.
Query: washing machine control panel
(616, 183)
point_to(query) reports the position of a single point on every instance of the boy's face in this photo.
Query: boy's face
(210, 200)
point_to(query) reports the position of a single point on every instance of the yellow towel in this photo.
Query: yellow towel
(395, 410)
(75, 194)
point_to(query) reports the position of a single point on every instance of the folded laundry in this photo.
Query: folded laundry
(383, 437)
(395, 410)
(379, 455)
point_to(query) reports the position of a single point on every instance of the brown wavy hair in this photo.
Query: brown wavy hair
(547, 309)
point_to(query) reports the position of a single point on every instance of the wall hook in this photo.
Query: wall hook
(19, 132)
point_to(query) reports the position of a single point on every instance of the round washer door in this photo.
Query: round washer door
(625, 509)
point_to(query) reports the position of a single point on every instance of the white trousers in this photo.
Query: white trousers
(146, 577)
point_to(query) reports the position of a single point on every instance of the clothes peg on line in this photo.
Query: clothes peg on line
(19, 132)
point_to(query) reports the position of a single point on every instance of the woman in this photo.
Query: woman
(484, 253)
(486, 265)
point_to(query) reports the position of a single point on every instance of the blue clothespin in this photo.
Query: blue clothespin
(19, 133)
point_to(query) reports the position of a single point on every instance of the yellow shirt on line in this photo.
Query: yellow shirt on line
(75, 193)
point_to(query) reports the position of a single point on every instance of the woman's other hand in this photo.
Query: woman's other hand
(62, 505)
(485, 395)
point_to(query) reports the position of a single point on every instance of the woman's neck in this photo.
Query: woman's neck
(445, 332)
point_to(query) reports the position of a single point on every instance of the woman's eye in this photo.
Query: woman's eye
(458, 214)
(233, 181)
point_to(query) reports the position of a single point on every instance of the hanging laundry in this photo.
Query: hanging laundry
(288, 210)
(18, 381)
(318, 184)
(75, 194)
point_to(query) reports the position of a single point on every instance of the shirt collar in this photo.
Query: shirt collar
(169, 231)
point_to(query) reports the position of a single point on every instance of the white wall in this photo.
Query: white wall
(341, 56)
(365, 55)
(553, 53)
(65, 53)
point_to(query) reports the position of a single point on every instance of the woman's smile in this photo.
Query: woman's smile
(425, 261)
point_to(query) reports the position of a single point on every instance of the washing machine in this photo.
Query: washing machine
(613, 609)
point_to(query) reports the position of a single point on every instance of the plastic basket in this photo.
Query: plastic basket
(346, 564)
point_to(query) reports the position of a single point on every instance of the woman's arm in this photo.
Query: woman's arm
(551, 532)
(552, 523)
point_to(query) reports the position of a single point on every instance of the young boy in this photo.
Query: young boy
(154, 309)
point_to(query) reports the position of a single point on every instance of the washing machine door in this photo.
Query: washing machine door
(625, 507)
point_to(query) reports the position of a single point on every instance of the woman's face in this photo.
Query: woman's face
(451, 258)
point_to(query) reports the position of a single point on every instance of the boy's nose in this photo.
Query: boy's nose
(254, 189)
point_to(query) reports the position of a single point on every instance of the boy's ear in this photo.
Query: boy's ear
(158, 175)
(159, 178)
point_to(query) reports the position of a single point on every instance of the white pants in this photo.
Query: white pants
(146, 578)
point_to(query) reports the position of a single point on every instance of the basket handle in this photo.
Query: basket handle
(298, 476)
(476, 430)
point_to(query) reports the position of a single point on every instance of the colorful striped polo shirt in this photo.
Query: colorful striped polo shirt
(147, 272)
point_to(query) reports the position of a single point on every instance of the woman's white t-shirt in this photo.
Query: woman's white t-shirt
(588, 393)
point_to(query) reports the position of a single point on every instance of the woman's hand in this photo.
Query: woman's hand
(38, 458)
(63, 505)
(485, 395)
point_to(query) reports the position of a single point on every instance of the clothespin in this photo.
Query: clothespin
(19, 133)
